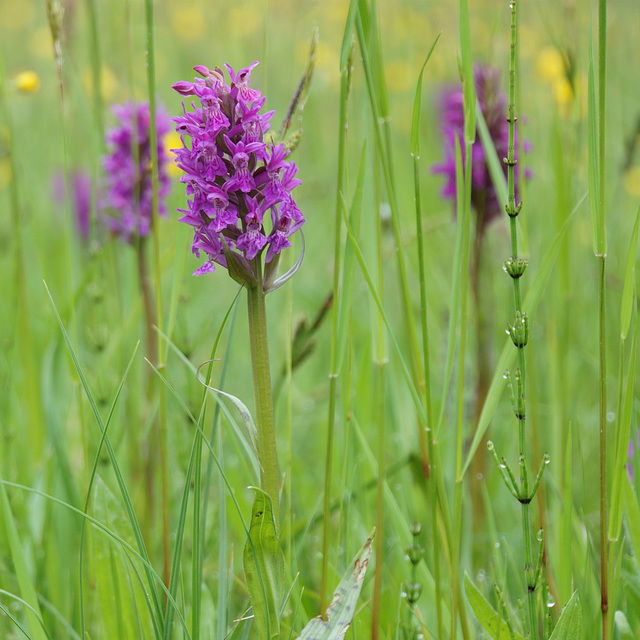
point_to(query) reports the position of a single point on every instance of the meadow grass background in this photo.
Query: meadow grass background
(50, 437)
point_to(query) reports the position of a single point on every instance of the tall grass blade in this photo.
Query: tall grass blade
(596, 214)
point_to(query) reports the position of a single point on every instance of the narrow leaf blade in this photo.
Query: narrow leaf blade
(343, 606)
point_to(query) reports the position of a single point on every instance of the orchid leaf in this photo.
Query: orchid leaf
(264, 566)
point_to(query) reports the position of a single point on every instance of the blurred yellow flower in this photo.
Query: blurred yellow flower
(552, 68)
(188, 23)
(172, 141)
(562, 91)
(108, 82)
(27, 82)
(549, 64)
(631, 181)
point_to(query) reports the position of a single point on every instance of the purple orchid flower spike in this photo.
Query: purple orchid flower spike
(129, 185)
(493, 104)
(239, 186)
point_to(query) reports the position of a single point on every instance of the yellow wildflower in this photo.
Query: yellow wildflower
(549, 64)
(562, 91)
(27, 82)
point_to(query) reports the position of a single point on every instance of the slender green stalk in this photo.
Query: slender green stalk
(602, 68)
(464, 206)
(433, 469)
(345, 81)
(379, 385)
(269, 477)
(153, 141)
(519, 331)
(604, 585)
(380, 409)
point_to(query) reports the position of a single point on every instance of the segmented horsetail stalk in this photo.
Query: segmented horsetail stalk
(518, 330)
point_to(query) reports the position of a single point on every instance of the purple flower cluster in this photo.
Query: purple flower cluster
(129, 186)
(234, 178)
(493, 104)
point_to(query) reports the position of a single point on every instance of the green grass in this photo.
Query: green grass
(376, 426)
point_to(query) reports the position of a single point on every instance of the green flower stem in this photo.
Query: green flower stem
(345, 83)
(262, 390)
